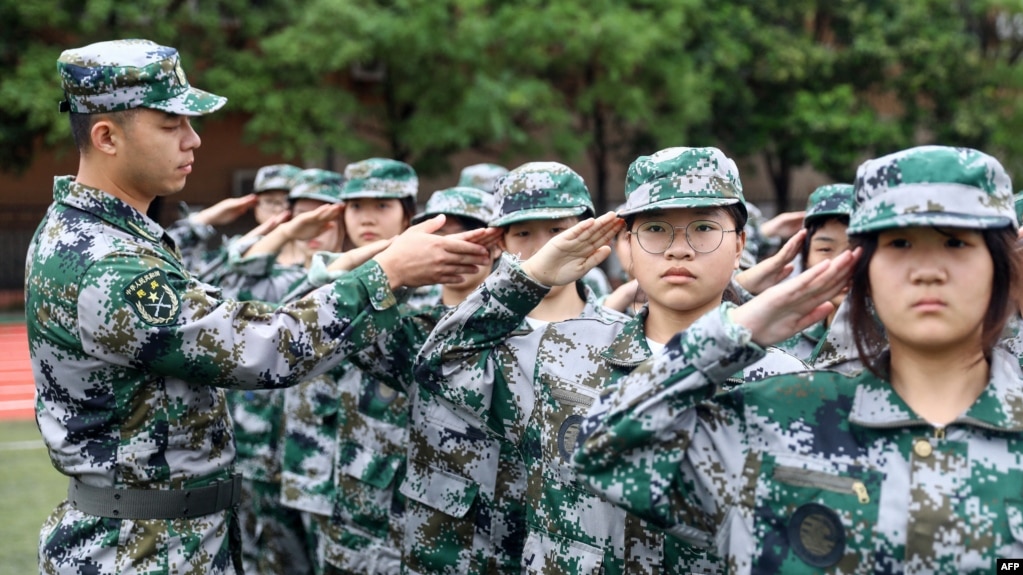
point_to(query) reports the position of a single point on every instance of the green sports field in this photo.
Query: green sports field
(29, 489)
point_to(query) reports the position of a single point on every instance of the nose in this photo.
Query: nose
(680, 248)
(191, 140)
(928, 270)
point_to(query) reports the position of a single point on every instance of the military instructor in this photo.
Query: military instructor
(130, 353)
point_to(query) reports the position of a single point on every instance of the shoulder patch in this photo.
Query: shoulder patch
(152, 298)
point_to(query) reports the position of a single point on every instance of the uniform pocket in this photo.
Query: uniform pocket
(548, 553)
(808, 517)
(440, 490)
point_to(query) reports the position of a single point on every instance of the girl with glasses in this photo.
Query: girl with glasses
(683, 208)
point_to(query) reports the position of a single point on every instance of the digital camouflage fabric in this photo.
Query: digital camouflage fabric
(682, 178)
(932, 186)
(829, 200)
(459, 201)
(541, 191)
(316, 184)
(808, 472)
(481, 176)
(531, 389)
(379, 178)
(124, 74)
(129, 355)
(275, 177)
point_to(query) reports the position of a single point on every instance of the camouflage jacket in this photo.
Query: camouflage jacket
(836, 349)
(803, 344)
(196, 243)
(536, 400)
(483, 481)
(129, 353)
(812, 471)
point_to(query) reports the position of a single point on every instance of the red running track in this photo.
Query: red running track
(17, 388)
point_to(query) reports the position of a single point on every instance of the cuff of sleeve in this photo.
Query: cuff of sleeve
(513, 288)
(718, 346)
(373, 278)
(202, 231)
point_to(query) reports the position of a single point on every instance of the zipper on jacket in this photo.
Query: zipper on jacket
(835, 483)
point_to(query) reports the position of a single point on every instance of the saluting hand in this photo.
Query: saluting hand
(773, 269)
(792, 306)
(418, 257)
(575, 251)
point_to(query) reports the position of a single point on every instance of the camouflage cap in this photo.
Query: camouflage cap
(380, 178)
(481, 176)
(682, 178)
(829, 200)
(1018, 199)
(317, 184)
(275, 177)
(125, 74)
(460, 201)
(541, 191)
(932, 186)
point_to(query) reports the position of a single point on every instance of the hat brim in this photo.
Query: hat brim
(537, 214)
(422, 217)
(679, 203)
(374, 194)
(191, 102)
(930, 220)
(825, 214)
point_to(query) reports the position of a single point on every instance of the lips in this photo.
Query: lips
(929, 304)
(678, 272)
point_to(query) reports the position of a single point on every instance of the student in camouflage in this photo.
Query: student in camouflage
(274, 539)
(391, 362)
(914, 465)
(469, 483)
(685, 212)
(130, 353)
(321, 476)
(827, 217)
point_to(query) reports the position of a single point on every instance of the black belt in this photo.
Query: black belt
(154, 503)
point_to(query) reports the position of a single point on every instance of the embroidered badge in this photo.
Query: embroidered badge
(152, 298)
(816, 535)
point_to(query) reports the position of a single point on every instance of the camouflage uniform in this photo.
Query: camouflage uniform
(481, 176)
(831, 200)
(345, 434)
(535, 394)
(822, 471)
(130, 353)
(274, 539)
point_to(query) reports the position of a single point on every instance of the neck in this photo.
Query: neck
(939, 385)
(94, 175)
(451, 296)
(663, 323)
(563, 302)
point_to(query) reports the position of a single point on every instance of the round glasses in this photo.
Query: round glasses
(704, 236)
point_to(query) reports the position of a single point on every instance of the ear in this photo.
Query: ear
(623, 249)
(740, 245)
(106, 136)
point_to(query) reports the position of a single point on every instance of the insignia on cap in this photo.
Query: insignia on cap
(816, 535)
(152, 298)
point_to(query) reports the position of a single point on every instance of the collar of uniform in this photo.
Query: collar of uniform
(629, 347)
(106, 207)
(1000, 405)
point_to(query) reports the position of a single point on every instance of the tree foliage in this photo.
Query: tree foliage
(798, 82)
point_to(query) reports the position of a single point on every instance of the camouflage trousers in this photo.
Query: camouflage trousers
(346, 550)
(274, 539)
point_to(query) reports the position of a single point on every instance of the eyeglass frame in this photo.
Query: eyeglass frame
(685, 230)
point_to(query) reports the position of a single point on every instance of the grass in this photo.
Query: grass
(29, 490)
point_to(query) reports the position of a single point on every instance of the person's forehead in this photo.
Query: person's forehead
(680, 213)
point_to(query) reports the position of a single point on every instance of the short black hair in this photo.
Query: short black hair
(81, 125)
